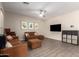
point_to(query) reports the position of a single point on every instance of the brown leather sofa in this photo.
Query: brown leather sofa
(34, 41)
(18, 50)
(7, 31)
(33, 36)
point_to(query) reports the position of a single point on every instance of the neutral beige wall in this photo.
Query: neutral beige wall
(13, 21)
(66, 21)
(1, 19)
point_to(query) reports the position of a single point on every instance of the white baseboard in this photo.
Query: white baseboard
(52, 39)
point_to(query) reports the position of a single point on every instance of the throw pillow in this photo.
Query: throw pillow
(8, 44)
(26, 34)
(9, 37)
(36, 33)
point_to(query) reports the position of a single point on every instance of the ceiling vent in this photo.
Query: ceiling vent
(26, 3)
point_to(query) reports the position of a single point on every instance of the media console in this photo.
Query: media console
(70, 36)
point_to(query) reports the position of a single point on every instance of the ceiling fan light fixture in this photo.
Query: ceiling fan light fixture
(42, 13)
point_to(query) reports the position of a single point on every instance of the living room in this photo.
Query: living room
(19, 19)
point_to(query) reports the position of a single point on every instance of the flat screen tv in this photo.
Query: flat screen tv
(55, 27)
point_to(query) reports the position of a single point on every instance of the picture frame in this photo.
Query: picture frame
(24, 25)
(36, 26)
(31, 26)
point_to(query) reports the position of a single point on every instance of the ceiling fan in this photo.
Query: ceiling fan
(42, 12)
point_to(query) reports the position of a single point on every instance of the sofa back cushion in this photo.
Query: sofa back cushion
(15, 42)
(7, 31)
(36, 33)
(30, 33)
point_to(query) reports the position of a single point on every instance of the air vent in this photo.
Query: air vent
(26, 3)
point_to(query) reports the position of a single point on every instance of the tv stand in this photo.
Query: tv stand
(70, 36)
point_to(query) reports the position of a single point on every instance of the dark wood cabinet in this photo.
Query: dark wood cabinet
(70, 36)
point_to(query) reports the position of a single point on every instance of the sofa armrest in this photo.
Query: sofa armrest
(19, 50)
(41, 37)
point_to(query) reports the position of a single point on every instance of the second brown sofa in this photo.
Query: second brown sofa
(31, 35)
(34, 41)
(18, 49)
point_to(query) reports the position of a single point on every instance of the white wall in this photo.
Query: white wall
(66, 21)
(1, 19)
(13, 21)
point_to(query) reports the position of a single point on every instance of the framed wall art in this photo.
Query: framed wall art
(24, 25)
(36, 26)
(31, 25)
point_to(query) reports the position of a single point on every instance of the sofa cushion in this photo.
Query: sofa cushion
(36, 33)
(30, 33)
(9, 37)
(15, 42)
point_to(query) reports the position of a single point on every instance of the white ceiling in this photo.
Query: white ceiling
(32, 10)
